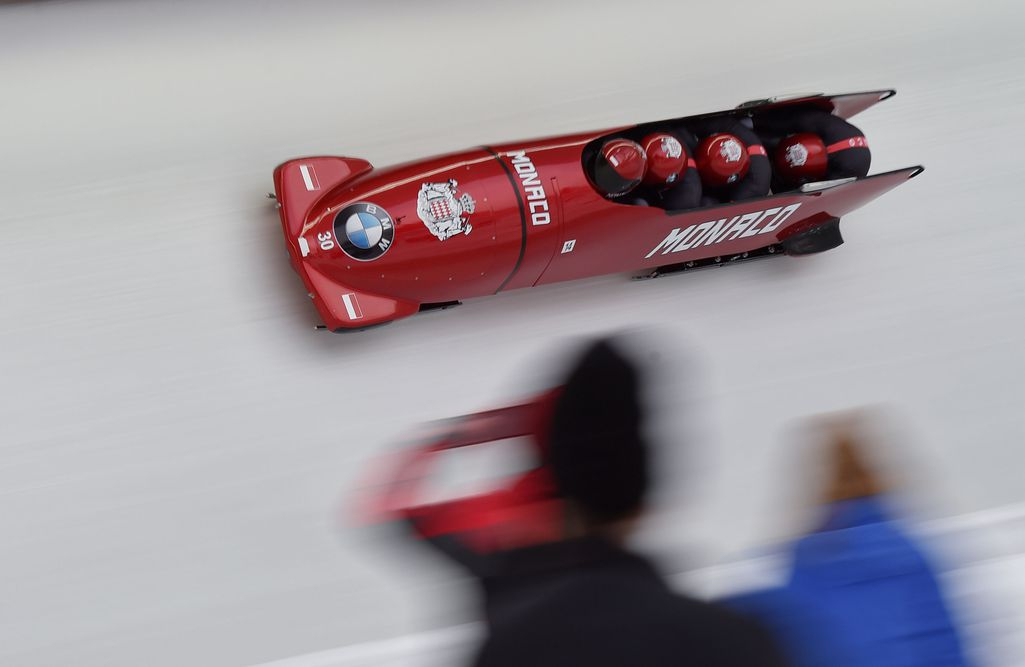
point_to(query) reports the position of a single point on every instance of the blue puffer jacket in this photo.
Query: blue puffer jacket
(860, 593)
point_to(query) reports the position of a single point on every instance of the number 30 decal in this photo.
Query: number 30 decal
(326, 242)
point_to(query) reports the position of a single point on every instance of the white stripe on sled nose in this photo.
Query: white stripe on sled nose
(352, 306)
(309, 177)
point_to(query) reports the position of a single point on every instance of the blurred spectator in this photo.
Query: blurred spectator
(860, 591)
(579, 597)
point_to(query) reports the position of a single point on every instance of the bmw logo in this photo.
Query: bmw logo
(365, 231)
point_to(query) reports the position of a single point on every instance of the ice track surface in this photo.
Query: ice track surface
(177, 445)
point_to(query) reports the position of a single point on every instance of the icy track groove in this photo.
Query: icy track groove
(178, 446)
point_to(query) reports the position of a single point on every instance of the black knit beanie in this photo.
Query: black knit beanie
(598, 453)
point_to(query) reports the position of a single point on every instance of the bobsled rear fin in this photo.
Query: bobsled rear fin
(846, 195)
(845, 105)
(299, 183)
(343, 308)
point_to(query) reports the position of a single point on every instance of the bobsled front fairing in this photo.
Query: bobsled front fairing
(375, 246)
(299, 185)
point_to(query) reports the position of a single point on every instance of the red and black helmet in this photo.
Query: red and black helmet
(667, 158)
(801, 158)
(618, 167)
(722, 159)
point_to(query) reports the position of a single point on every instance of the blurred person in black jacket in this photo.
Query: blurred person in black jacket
(578, 596)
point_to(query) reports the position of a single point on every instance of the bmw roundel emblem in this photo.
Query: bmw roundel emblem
(364, 231)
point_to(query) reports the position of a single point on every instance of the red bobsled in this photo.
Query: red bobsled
(374, 246)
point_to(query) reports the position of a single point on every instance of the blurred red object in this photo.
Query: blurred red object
(525, 511)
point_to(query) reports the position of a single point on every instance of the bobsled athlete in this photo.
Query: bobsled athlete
(618, 167)
(671, 181)
(565, 589)
(813, 145)
(732, 161)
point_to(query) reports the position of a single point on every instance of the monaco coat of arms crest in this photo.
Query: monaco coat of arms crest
(443, 212)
